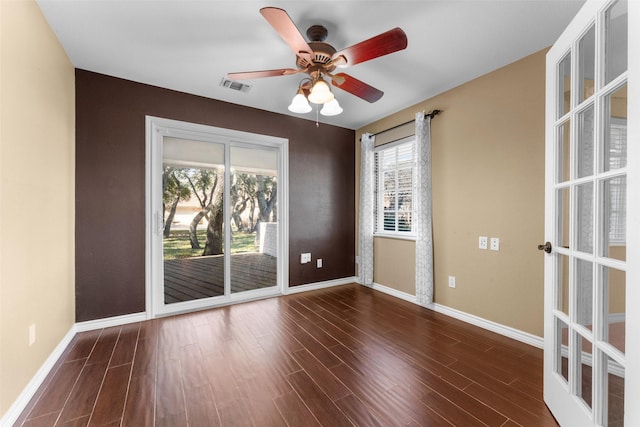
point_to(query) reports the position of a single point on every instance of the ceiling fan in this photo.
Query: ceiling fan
(318, 59)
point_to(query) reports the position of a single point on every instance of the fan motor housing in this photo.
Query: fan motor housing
(322, 52)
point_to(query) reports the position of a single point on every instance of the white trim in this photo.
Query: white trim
(30, 390)
(283, 218)
(319, 285)
(411, 236)
(474, 320)
(108, 322)
(147, 217)
(617, 318)
(219, 301)
(490, 325)
(393, 292)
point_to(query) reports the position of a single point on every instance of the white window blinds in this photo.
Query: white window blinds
(395, 188)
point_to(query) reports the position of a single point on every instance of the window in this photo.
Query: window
(395, 189)
(617, 187)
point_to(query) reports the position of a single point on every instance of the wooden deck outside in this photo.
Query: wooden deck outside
(187, 279)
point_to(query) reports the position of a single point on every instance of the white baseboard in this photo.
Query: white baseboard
(393, 292)
(320, 285)
(29, 391)
(617, 317)
(492, 326)
(92, 325)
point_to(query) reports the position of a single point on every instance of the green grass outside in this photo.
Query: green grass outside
(177, 244)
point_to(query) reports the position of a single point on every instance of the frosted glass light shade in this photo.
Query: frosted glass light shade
(331, 108)
(299, 104)
(320, 93)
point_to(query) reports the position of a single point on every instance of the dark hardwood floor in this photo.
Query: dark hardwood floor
(336, 357)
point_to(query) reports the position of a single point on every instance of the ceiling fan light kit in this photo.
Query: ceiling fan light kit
(318, 59)
(320, 92)
(331, 108)
(299, 103)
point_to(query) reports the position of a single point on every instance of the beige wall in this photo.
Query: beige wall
(488, 180)
(37, 125)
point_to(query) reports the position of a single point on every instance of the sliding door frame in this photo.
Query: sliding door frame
(156, 129)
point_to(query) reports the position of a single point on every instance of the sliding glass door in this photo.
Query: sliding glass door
(215, 221)
(253, 204)
(192, 219)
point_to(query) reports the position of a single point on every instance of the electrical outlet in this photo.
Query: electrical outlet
(495, 244)
(452, 281)
(319, 263)
(482, 242)
(305, 258)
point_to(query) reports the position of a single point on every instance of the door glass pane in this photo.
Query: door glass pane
(614, 211)
(616, 23)
(564, 85)
(584, 217)
(586, 66)
(585, 143)
(562, 350)
(615, 140)
(254, 218)
(614, 285)
(193, 191)
(563, 200)
(563, 152)
(615, 393)
(584, 292)
(562, 303)
(585, 376)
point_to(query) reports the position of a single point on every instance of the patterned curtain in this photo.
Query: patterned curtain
(423, 221)
(365, 217)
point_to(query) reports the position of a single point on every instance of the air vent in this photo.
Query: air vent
(235, 85)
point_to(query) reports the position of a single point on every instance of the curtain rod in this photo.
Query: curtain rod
(430, 114)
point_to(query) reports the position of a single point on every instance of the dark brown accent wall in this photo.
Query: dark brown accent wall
(110, 188)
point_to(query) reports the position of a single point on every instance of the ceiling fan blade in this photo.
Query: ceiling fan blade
(265, 73)
(282, 23)
(380, 45)
(356, 87)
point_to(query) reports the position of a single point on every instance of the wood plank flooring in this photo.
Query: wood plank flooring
(341, 356)
(187, 279)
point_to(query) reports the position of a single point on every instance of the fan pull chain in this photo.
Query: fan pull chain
(317, 116)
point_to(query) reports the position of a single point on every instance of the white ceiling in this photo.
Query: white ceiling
(189, 46)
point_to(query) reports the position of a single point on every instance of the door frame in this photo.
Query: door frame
(632, 375)
(632, 338)
(154, 302)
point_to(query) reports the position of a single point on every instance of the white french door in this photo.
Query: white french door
(216, 209)
(592, 196)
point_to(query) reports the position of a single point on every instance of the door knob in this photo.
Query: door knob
(546, 247)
